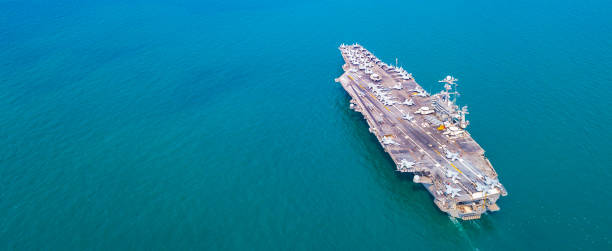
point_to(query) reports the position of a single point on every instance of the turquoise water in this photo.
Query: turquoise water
(207, 125)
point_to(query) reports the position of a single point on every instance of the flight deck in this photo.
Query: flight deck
(424, 134)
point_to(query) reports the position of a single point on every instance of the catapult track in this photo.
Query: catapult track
(422, 136)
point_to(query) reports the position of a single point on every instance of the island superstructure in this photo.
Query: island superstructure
(425, 134)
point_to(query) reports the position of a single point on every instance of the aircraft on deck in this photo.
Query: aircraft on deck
(405, 165)
(453, 175)
(408, 102)
(388, 141)
(451, 155)
(480, 187)
(422, 93)
(452, 191)
(408, 117)
(492, 182)
(388, 101)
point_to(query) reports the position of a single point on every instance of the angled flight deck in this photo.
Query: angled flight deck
(424, 134)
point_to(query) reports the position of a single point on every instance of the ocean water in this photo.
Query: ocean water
(186, 125)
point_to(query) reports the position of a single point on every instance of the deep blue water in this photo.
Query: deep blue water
(218, 125)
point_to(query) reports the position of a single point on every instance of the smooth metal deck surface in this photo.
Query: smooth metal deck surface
(424, 144)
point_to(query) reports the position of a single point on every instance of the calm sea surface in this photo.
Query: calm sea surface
(217, 125)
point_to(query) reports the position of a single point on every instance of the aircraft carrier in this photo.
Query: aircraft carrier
(425, 134)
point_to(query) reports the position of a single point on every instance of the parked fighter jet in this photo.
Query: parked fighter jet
(388, 141)
(388, 101)
(480, 187)
(408, 102)
(408, 117)
(453, 175)
(453, 192)
(451, 155)
(422, 93)
(405, 165)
